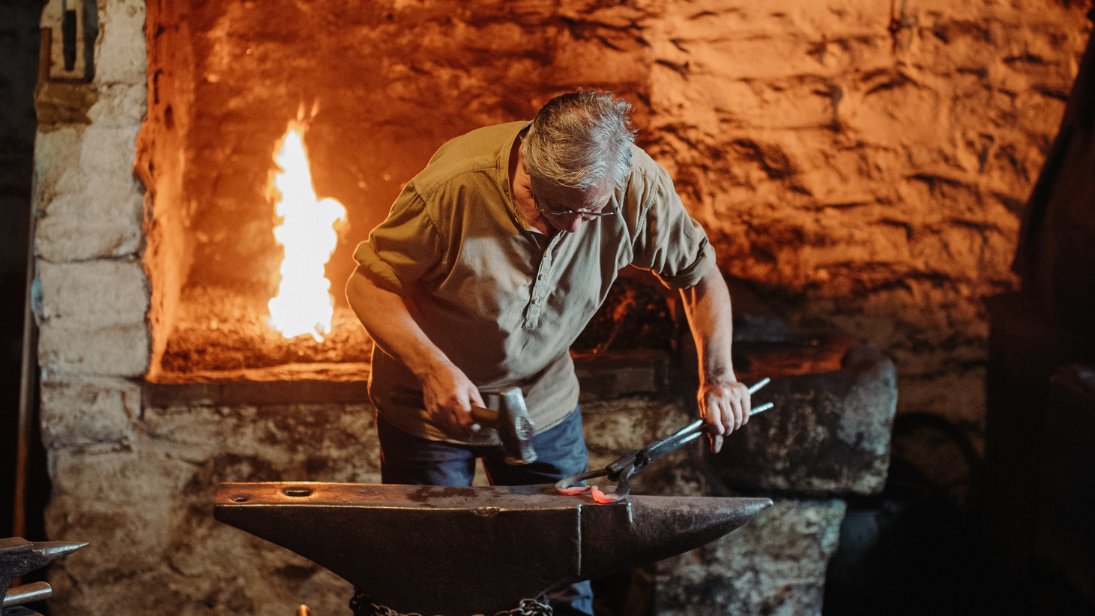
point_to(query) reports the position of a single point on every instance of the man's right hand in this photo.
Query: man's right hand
(449, 395)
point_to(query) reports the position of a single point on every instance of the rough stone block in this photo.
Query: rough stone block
(614, 426)
(616, 374)
(109, 150)
(59, 103)
(94, 293)
(102, 221)
(773, 566)
(154, 542)
(305, 442)
(829, 433)
(120, 105)
(278, 582)
(86, 189)
(56, 152)
(80, 412)
(120, 48)
(150, 508)
(121, 500)
(115, 350)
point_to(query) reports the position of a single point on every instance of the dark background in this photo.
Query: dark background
(18, 74)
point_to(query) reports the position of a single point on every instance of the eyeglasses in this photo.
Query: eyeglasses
(536, 204)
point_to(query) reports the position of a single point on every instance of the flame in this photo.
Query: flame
(308, 232)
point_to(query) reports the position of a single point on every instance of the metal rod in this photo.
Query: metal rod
(761, 383)
(28, 593)
(761, 408)
(29, 371)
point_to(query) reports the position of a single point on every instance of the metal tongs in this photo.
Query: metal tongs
(635, 460)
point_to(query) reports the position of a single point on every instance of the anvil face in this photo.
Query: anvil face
(459, 551)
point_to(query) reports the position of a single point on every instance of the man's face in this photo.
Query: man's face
(565, 208)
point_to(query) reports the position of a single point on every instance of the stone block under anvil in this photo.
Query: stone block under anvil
(478, 550)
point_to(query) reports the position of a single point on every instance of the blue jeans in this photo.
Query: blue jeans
(560, 452)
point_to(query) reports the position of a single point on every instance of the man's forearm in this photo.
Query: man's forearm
(389, 322)
(724, 403)
(707, 305)
(447, 392)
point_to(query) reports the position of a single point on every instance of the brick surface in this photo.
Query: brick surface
(94, 293)
(89, 201)
(102, 221)
(120, 47)
(120, 105)
(82, 411)
(113, 350)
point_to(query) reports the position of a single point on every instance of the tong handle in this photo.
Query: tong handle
(686, 434)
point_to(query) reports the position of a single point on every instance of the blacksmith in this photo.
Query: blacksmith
(491, 262)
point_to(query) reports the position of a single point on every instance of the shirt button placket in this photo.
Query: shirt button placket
(538, 293)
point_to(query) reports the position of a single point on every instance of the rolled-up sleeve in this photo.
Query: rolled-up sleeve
(671, 244)
(402, 249)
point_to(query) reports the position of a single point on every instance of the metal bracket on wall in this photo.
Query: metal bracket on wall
(69, 28)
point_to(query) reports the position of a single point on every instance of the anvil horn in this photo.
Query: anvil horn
(462, 551)
(19, 557)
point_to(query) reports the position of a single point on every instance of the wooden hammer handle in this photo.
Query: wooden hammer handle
(483, 415)
(413, 397)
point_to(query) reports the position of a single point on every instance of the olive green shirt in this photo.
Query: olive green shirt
(501, 299)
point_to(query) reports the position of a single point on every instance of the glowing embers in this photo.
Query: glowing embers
(308, 232)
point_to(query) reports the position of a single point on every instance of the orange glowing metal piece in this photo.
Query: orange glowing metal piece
(308, 233)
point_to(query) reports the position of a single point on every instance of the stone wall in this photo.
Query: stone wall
(880, 173)
(872, 179)
(141, 489)
(866, 167)
(94, 291)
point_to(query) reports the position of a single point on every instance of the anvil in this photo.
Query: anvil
(19, 557)
(478, 550)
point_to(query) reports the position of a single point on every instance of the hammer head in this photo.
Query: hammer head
(514, 426)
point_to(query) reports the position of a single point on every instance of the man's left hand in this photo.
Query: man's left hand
(724, 406)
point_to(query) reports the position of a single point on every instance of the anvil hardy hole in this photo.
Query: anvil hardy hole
(297, 492)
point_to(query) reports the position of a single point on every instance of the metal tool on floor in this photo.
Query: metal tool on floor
(506, 420)
(19, 557)
(635, 460)
(472, 550)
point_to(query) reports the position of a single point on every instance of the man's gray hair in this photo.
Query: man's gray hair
(581, 139)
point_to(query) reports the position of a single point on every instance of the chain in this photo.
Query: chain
(363, 605)
(528, 607)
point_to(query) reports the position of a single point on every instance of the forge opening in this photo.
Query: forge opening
(387, 87)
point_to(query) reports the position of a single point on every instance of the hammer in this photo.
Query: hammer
(508, 418)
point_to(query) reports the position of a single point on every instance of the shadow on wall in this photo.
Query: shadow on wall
(915, 548)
